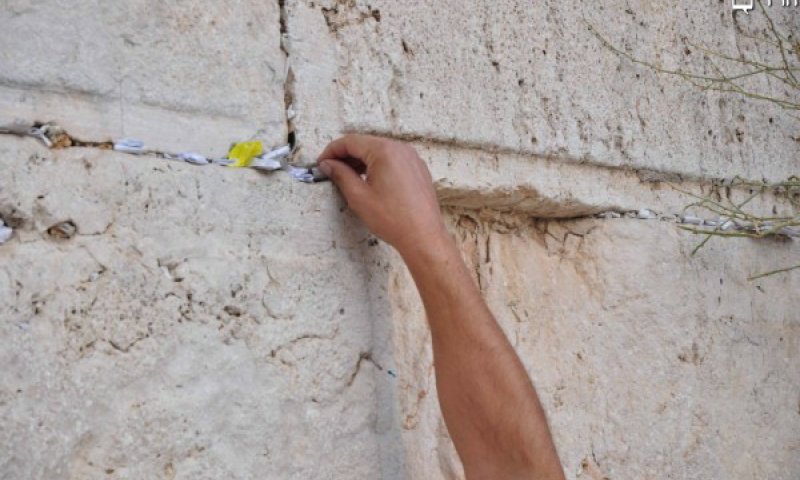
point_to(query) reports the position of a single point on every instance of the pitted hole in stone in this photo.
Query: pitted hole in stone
(13, 218)
(63, 230)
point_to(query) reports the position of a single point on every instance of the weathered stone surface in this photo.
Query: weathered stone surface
(160, 320)
(548, 188)
(203, 322)
(650, 363)
(532, 78)
(179, 75)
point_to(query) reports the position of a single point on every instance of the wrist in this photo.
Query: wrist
(427, 246)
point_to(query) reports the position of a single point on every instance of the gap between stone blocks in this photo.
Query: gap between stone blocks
(56, 137)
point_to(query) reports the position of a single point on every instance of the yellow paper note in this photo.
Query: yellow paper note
(243, 153)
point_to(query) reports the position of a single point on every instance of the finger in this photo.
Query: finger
(357, 165)
(358, 147)
(354, 189)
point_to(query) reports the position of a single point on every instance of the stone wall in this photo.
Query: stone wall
(165, 320)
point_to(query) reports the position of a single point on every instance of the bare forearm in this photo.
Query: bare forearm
(488, 402)
(487, 399)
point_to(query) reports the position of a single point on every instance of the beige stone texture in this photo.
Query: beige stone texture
(165, 320)
(650, 363)
(209, 322)
(182, 75)
(532, 78)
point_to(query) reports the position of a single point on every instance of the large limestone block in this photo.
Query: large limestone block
(529, 77)
(650, 363)
(182, 75)
(203, 322)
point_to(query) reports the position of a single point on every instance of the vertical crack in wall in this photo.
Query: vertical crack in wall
(288, 83)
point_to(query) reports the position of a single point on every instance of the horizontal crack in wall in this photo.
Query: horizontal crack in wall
(644, 174)
(506, 222)
(517, 190)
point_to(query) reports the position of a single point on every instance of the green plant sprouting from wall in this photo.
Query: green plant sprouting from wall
(784, 72)
(735, 219)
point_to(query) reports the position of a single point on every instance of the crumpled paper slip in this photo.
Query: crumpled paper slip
(272, 160)
(50, 134)
(306, 174)
(27, 129)
(277, 159)
(646, 214)
(268, 164)
(5, 232)
(193, 158)
(243, 153)
(301, 174)
(129, 145)
(55, 135)
(691, 220)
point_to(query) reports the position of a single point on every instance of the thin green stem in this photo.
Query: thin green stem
(779, 39)
(773, 272)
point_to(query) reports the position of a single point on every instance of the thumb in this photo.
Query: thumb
(349, 182)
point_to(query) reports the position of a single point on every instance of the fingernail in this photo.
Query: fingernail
(325, 168)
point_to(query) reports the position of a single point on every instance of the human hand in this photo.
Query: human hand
(395, 198)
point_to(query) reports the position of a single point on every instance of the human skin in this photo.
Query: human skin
(488, 402)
